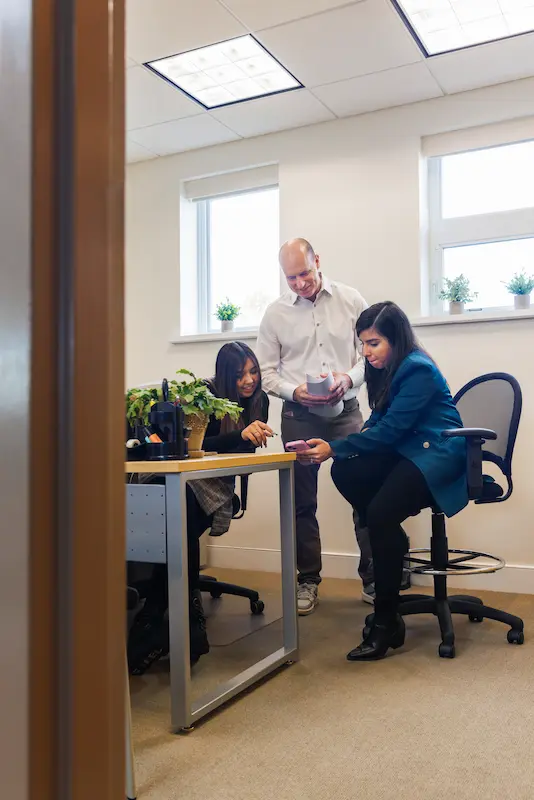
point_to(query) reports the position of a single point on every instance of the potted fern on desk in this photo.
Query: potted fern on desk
(199, 404)
(197, 401)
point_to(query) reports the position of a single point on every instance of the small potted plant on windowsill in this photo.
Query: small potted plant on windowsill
(521, 286)
(458, 292)
(226, 313)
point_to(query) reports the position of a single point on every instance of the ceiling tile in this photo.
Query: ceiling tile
(344, 43)
(151, 100)
(487, 64)
(276, 113)
(184, 134)
(393, 87)
(257, 15)
(134, 152)
(159, 28)
(130, 62)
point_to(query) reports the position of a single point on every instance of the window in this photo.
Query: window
(482, 221)
(237, 256)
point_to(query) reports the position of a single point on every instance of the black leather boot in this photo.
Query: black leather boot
(380, 638)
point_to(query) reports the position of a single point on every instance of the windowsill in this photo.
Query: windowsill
(217, 336)
(495, 315)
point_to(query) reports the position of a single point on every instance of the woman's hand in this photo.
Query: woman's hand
(319, 451)
(257, 432)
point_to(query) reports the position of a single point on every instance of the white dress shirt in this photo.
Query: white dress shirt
(299, 337)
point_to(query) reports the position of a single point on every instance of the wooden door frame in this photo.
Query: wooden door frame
(77, 565)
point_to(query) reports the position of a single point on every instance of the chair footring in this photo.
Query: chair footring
(454, 566)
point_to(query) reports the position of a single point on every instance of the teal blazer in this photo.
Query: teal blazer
(418, 409)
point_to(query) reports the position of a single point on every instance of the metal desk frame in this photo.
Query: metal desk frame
(183, 712)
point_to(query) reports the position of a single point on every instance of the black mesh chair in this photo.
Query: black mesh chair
(490, 407)
(217, 588)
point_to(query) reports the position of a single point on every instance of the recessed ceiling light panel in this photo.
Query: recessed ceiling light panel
(440, 26)
(226, 73)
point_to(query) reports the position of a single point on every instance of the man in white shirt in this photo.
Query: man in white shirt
(310, 330)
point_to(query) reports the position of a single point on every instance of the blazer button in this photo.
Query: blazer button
(426, 445)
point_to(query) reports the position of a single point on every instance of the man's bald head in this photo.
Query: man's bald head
(300, 265)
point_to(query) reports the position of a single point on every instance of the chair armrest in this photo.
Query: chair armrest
(244, 492)
(475, 438)
(470, 433)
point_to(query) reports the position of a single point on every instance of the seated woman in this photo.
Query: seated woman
(238, 378)
(399, 463)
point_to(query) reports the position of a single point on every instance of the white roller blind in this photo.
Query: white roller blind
(443, 144)
(229, 182)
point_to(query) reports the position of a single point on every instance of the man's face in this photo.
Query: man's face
(302, 274)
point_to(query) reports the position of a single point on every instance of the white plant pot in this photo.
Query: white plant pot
(455, 307)
(227, 325)
(521, 301)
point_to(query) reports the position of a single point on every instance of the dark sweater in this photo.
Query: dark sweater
(233, 442)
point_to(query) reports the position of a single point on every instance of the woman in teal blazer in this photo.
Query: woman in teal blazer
(399, 463)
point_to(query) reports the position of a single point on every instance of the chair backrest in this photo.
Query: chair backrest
(493, 401)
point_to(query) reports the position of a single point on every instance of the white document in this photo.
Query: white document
(320, 387)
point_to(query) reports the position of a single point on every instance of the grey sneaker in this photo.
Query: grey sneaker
(369, 594)
(307, 598)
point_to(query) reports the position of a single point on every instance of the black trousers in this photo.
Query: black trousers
(384, 489)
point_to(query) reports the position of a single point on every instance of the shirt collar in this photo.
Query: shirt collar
(326, 287)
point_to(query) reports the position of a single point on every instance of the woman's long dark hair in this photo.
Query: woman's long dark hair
(391, 322)
(231, 360)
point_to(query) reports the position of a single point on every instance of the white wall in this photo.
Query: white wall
(353, 188)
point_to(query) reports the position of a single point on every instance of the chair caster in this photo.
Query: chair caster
(446, 650)
(215, 594)
(515, 637)
(475, 618)
(257, 607)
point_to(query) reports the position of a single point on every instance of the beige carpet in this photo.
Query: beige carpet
(412, 727)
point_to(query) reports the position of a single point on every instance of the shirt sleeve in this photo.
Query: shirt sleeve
(357, 372)
(417, 389)
(268, 353)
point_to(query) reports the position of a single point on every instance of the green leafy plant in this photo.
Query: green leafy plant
(457, 290)
(227, 311)
(196, 398)
(193, 394)
(138, 404)
(520, 283)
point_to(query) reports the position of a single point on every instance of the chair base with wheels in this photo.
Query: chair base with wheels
(217, 588)
(440, 566)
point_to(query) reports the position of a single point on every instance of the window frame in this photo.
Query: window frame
(475, 229)
(203, 257)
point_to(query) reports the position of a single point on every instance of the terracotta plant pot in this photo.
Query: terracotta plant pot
(455, 307)
(521, 301)
(198, 424)
(227, 325)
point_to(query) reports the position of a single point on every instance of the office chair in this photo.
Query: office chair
(217, 588)
(495, 401)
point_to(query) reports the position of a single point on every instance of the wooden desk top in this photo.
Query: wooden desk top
(208, 462)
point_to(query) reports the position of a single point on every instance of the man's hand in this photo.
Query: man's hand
(257, 432)
(340, 387)
(302, 396)
(319, 451)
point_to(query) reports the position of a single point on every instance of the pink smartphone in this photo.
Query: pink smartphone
(297, 447)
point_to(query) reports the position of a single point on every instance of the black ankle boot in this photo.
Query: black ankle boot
(378, 641)
(198, 637)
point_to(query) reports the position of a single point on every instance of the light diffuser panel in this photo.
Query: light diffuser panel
(444, 25)
(226, 73)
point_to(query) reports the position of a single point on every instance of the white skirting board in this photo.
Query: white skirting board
(514, 578)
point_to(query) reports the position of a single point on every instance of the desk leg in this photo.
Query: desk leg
(289, 560)
(131, 793)
(178, 601)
